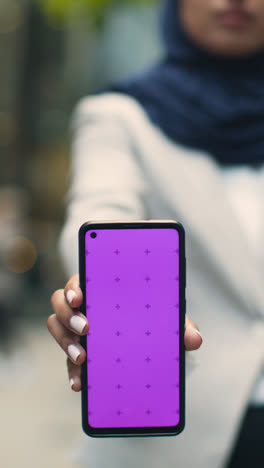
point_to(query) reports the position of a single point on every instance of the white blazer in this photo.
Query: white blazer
(124, 167)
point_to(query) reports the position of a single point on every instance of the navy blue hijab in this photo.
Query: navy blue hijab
(203, 101)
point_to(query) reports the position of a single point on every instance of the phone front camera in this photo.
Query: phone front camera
(93, 235)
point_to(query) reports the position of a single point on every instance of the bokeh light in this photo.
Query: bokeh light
(20, 255)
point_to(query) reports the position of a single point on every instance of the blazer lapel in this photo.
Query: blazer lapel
(207, 212)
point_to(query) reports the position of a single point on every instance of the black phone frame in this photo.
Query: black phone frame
(135, 431)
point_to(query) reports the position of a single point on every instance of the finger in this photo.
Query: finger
(73, 292)
(74, 372)
(68, 341)
(73, 320)
(192, 336)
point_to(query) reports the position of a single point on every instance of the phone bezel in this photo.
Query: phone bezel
(135, 431)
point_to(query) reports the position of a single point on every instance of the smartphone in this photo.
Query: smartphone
(133, 277)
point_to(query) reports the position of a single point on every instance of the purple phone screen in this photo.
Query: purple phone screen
(132, 305)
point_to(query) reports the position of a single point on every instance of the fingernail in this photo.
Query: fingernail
(197, 331)
(71, 381)
(73, 351)
(78, 323)
(70, 295)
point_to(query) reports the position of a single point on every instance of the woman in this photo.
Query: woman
(184, 141)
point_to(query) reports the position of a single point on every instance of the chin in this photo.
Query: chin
(233, 48)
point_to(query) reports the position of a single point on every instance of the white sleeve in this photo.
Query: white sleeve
(107, 182)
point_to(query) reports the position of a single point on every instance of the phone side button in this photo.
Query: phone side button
(185, 272)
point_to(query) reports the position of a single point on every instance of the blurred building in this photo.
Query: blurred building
(46, 67)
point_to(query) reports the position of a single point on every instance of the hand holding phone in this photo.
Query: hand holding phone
(68, 325)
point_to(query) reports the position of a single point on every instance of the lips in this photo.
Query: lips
(234, 17)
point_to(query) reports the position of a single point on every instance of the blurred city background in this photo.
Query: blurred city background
(52, 53)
